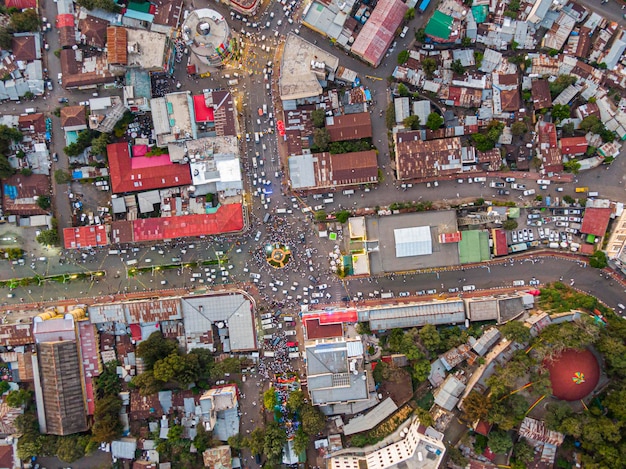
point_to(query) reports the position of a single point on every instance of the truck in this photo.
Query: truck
(496, 185)
(386, 295)
(424, 5)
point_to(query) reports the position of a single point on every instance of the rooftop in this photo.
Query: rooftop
(137, 174)
(298, 78)
(117, 45)
(349, 126)
(417, 158)
(73, 116)
(85, 236)
(596, 221)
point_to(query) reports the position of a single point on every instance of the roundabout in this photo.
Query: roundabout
(277, 255)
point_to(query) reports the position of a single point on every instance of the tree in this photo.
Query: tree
(6, 170)
(19, 398)
(598, 260)
(412, 122)
(466, 41)
(403, 90)
(43, 202)
(255, 441)
(421, 370)
(500, 442)
(6, 39)
(270, 399)
(107, 426)
(342, 216)
(457, 67)
(99, 144)
(273, 442)
(62, 177)
(48, 238)
(313, 421)
(320, 216)
(429, 65)
(476, 406)
(71, 447)
(420, 35)
(509, 224)
(403, 57)
(410, 14)
(203, 439)
(108, 382)
(518, 128)
(147, 383)
(295, 401)
(321, 139)
(523, 453)
(26, 172)
(561, 82)
(25, 21)
(434, 121)
(173, 367)
(318, 116)
(571, 166)
(568, 129)
(560, 112)
(300, 441)
(155, 348)
(516, 331)
(390, 116)
(430, 338)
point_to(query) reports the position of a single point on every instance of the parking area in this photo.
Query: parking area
(554, 227)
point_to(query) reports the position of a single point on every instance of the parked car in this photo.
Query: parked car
(64, 100)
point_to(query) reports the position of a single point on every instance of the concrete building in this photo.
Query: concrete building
(220, 412)
(413, 447)
(335, 372)
(208, 36)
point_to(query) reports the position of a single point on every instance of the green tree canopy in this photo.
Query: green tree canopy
(420, 35)
(430, 338)
(499, 441)
(429, 65)
(321, 139)
(318, 116)
(99, 144)
(48, 238)
(273, 442)
(457, 67)
(25, 21)
(516, 331)
(155, 348)
(295, 401)
(403, 57)
(107, 426)
(313, 421)
(598, 260)
(19, 398)
(412, 122)
(269, 399)
(342, 216)
(519, 128)
(300, 441)
(560, 112)
(434, 121)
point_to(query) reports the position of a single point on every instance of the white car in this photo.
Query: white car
(323, 286)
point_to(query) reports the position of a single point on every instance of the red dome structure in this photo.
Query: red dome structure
(574, 374)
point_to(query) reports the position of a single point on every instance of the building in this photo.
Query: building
(208, 36)
(596, 221)
(20, 193)
(540, 93)
(331, 171)
(143, 173)
(219, 322)
(220, 412)
(73, 118)
(379, 31)
(335, 372)
(59, 383)
(486, 341)
(548, 150)
(573, 146)
(303, 66)
(83, 237)
(440, 27)
(245, 7)
(617, 241)
(420, 448)
(448, 394)
(387, 317)
(218, 457)
(349, 126)
(173, 118)
(422, 159)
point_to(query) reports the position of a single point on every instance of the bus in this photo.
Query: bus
(582, 189)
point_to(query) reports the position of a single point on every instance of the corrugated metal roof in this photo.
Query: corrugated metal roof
(372, 418)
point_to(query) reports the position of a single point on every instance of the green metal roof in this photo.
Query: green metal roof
(480, 13)
(439, 25)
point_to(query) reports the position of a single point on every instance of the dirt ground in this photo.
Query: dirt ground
(398, 387)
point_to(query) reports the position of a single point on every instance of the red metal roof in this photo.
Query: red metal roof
(377, 34)
(337, 316)
(450, 237)
(131, 175)
(573, 145)
(65, 20)
(21, 4)
(89, 356)
(315, 330)
(202, 112)
(500, 247)
(228, 218)
(85, 236)
(595, 221)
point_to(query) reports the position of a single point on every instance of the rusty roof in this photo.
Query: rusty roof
(143, 407)
(74, 75)
(24, 48)
(73, 116)
(122, 231)
(224, 113)
(167, 12)
(117, 45)
(67, 36)
(142, 312)
(510, 100)
(508, 79)
(94, 31)
(37, 121)
(16, 334)
(491, 160)
(422, 159)
(354, 168)
(22, 201)
(217, 457)
(349, 126)
(541, 94)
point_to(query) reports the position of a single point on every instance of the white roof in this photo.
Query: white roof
(415, 241)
